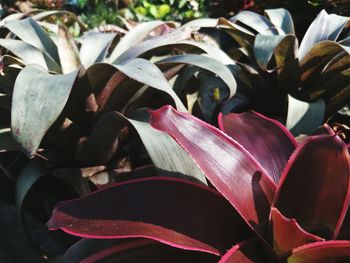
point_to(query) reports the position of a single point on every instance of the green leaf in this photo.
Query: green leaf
(38, 100)
(304, 117)
(163, 10)
(282, 19)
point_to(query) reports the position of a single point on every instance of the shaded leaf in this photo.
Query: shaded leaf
(282, 19)
(271, 146)
(324, 27)
(248, 251)
(30, 32)
(208, 64)
(94, 47)
(304, 117)
(287, 234)
(225, 163)
(128, 251)
(156, 209)
(321, 252)
(38, 99)
(133, 37)
(319, 199)
(256, 22)
(7, 143)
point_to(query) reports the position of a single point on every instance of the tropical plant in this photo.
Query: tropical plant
(273, 200)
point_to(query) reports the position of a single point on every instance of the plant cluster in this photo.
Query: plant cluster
(124, 121)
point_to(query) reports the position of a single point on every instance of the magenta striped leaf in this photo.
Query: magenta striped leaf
(314, 187)
(322, 252)
(227, 165)
(173, 211)
(267, 140)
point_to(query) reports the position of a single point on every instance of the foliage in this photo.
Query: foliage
(88, 112)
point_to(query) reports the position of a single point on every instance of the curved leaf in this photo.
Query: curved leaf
(304, 117)
(38, 99)
(29, 54)
(127, 251)
(225, 163)
(208, 64)
(255, 21)
(133, 37)
(156, 208)
(265, 139)
(287, 234)
(30, 32)
(324, 27)
(322, 252)
(94, 47)
(314, 187)
(248, 251)
(282, 19)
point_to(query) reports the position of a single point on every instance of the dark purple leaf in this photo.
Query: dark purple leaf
(173, 211)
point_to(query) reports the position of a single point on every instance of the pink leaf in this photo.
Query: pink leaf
(173, 211)
(270, 143)
(322, 252)
(248, 251)
(227, 165)
(314, 187)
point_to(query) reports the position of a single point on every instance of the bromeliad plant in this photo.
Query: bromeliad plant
(273, 200)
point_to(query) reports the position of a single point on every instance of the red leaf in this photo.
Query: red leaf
(322, 252)
(287, 234)
(227, 165)
(270, 143)
(129, 250)
(248, 251)
(314, 187)
(173, 211)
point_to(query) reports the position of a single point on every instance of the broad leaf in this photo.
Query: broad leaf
(265, 139)
(156, 208)
(310, 192)
(322, 252)
(248, 251)
(324, 27)
(225, 163)
(30, 32)
(133, 37)
(208, 64)
(130, 250)
(287, 234)
(304, 117)
(256, 22)
(29, 54)
(38, 99)
(94, 47)
(282, 19)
